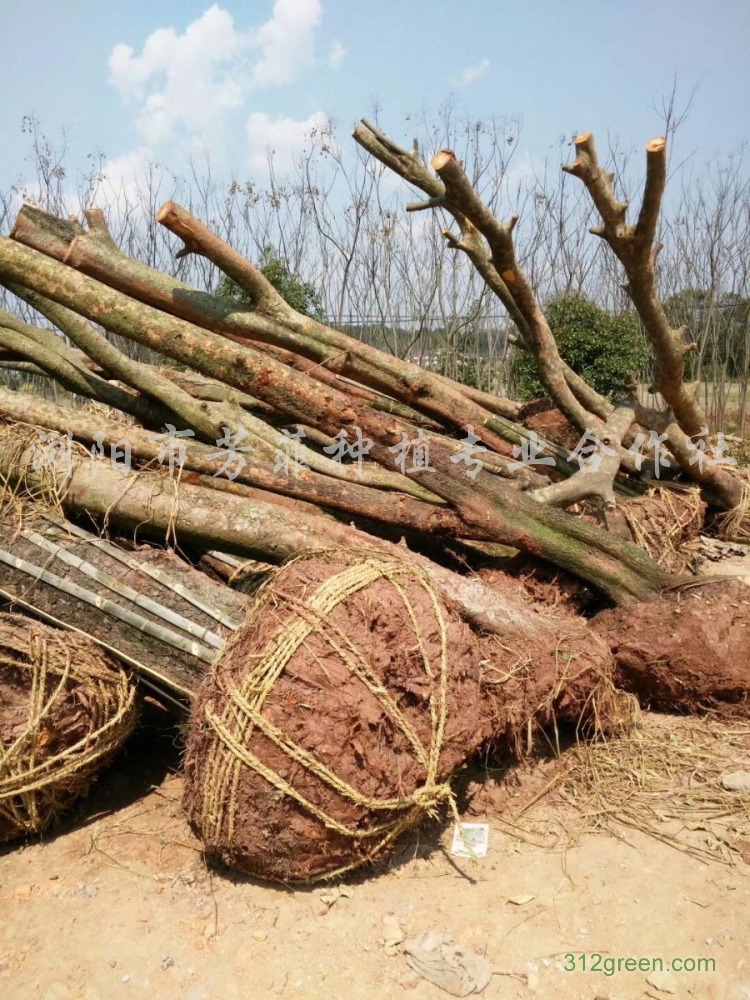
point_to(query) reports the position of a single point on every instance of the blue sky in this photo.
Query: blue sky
(238, 76)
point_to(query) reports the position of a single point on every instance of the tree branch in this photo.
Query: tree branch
(80, 380)
(144, 379)
(633, 246)
(464, 202)
(596, 480)
(350, 498)
(656, 179)
(199, 239)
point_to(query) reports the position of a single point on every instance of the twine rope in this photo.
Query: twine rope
(242, 713)
(34, 785)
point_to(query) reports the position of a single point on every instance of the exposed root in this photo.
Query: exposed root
(664, 522)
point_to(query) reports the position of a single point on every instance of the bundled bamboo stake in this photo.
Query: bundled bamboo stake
(155, 612)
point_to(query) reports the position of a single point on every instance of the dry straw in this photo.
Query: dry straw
(65, 709)
(38, 475)
(734, 526)
(242, 714)
(662, 779)
(664, 521)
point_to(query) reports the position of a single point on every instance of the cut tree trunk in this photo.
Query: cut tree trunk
(621, 571)
(151, 505)
(386, 507)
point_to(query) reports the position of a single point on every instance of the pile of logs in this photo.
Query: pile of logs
(255, 433)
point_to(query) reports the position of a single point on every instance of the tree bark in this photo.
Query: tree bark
(409, 165)
(496, 263)
(386, 507)
(634, 247)
(152, 505)
(622, 571)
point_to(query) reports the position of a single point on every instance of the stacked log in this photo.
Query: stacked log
(331, 710)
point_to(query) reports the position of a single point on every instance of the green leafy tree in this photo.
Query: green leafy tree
(602, 348)
(300, 295)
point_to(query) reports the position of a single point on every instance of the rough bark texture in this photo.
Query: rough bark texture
(395, 509)
(494, 261)
(599, 482)
(152, 505)
(341, 354)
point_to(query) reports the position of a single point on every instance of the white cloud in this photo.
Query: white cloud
(124, 173)
(472, 73)
(281, 138)
(286, 42)
(336, 54)
(191, 82)
(182, 81)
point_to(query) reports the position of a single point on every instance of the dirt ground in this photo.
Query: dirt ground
(633, 850)
(119, 902)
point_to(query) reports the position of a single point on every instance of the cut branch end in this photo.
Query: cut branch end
(442, 159)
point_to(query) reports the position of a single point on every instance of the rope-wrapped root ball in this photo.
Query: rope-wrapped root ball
(65, 709)
(333, 720)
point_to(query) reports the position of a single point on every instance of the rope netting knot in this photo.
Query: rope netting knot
(245, 696)
(65, 709)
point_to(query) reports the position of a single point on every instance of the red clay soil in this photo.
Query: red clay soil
(689, 651)
(548, 667)
(541, 583)
(74, 712)
(542, 416)
(323, 707)
(63, 725)
(543, 669)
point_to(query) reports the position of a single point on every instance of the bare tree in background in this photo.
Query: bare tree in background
(339, 221)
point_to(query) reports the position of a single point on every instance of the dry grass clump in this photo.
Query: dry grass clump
(662, 778)
(734, 526)
(664, 522)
